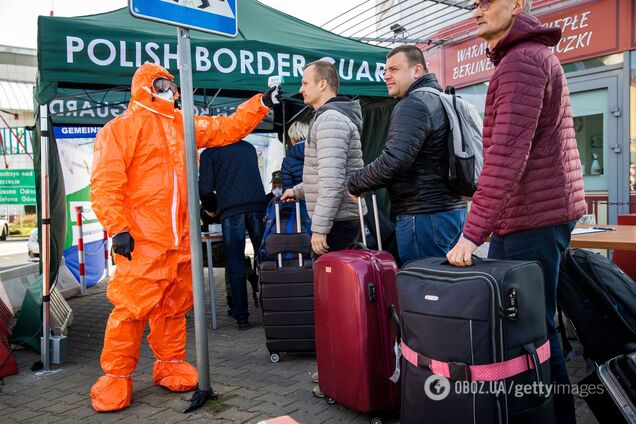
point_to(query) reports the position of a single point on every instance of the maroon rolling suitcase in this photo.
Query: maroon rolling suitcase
(353, 292)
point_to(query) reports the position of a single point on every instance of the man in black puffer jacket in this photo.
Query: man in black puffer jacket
(414, 163)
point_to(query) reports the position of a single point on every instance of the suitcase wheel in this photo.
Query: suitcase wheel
(329, 400)
(375, 420)
(274, 357)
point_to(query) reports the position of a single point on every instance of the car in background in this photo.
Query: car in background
(4, 229)
(33, 246)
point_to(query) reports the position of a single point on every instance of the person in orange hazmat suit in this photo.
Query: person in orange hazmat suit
(139, 194)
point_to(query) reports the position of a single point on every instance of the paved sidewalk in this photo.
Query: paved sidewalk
(251, 387)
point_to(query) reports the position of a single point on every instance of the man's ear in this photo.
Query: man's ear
(323, 85)
(518, 7)
(418, 71)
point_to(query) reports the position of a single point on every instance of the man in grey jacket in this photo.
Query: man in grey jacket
(333, 152)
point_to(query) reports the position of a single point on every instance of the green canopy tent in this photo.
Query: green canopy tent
(107, 48)
(104, 50)
(85, 65)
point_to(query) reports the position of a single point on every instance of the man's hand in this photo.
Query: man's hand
(461, 254)
(288, 195)
(211, 214)
(124, 244)
(319, 243)
(355, 198)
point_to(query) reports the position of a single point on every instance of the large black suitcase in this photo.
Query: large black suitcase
(482, 330)
(600, 300)
(287, 292)
(611, 390)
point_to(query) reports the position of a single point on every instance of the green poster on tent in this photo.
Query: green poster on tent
(75, 147)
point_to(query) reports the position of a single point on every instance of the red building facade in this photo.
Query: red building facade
(598, 53)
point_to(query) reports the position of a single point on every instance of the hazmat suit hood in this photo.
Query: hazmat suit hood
(142, 93)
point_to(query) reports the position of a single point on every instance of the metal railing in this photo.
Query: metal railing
(598, 205)
(16, 141)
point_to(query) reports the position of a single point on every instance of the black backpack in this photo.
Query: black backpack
(600, 301)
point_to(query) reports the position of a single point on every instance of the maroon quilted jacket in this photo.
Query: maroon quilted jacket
(532, 173)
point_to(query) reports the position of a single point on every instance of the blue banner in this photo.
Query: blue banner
(75, 132)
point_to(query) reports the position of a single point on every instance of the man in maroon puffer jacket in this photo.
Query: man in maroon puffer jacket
(530, 193)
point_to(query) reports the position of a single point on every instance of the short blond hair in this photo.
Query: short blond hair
(298, 131)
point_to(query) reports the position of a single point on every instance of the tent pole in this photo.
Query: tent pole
(45, 235)
(282, 104)
(204, 391)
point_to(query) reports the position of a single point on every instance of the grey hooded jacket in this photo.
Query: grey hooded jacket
(333, 152)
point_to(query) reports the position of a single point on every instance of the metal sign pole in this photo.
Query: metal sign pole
(198, 289)
(208, 245)
(45, 236)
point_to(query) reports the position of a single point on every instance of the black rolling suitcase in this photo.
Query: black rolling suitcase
(612, 390)
(600, 300)
(287, 292)
(474, 343)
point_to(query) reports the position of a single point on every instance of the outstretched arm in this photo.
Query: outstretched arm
(215, 131)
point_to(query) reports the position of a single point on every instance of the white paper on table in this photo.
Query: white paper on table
(578, 231)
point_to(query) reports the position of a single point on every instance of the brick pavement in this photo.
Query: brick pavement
(251, 387)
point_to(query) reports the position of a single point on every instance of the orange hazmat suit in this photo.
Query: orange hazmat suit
(138, 184)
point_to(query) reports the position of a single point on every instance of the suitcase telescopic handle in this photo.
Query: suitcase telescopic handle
(277, 223)
(361, 215)
(298, 228)
(376, 220)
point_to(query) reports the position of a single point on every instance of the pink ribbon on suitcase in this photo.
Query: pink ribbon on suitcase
(487, 372)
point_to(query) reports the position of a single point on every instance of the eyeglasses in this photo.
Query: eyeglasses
(483, 5)
(162, 84)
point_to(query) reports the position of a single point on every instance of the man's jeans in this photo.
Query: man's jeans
(426, 235)
(234, 240)
(544, 245)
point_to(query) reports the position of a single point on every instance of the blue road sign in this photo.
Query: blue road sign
(214, 16)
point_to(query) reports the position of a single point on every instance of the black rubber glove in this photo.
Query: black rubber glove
(268, 96)
(124, 244)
